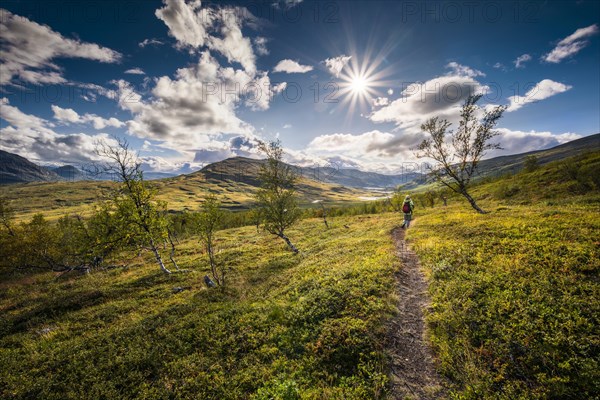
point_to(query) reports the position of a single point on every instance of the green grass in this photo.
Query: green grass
(515, 305)
(184, 192)
(307, 326)
(515, 293)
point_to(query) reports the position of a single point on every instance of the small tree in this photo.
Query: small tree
(429, 198)
(138, 212)
(7, 215)
(531, 163)
(458, 159)
(277, 197)
(208, 222)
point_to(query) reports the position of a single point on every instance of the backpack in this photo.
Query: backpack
(406, 208)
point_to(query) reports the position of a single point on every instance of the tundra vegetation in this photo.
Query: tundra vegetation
(514, 310)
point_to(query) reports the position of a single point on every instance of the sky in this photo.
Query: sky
(339, 83)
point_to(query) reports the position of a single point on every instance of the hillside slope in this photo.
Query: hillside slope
(515, 291)
(184, 192)
(511, 164)
(15, 169)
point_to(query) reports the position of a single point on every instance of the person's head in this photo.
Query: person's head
(407, 197)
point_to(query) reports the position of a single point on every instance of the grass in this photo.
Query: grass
(184, 192)
(515, 293)
(514, 315)
(307, 326)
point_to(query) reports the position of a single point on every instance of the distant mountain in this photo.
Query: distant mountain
(17, 169)
(246, 170)
(69, 173)
(358, 179)
(152, 176)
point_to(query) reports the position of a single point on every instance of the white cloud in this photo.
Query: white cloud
(233, 45)
(571, 45)
(521, 60)
(197, 105)
(34, 138)
(336, 64)
(187, 23)
(68, 115)
(260, 44)
(390, 92)
(542, 90)
(515, 141)
(28, 50)
(287, 126)
(147, 146)
(350, 145)
(291, 67)
(195, 27)
(381, 101)
(150, 42)
(463, 70)
(286, 3)
(135, 71)
(442, 96)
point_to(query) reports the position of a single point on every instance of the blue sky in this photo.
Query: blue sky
(339, 82)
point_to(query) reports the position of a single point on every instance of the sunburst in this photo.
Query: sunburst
(361, 83)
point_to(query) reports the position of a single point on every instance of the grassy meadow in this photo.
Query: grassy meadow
(514, 306)
(515, 293)
(308, 326)
(182, 193)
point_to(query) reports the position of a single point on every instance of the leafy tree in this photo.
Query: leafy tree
(443, 195)
(397, 200)
(277, 198)
(458, 159)
(6, 216)
(429, 198)
(138, 215)
(531, 163)
(208, 222)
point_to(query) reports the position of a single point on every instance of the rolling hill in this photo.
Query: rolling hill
(15, 169)
(228, 180)
(511, 164)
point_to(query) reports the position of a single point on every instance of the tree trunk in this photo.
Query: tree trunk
(172, 254)
(325, 216)
(213, 264)
(472, 202)
(158, 258)
(289, 242)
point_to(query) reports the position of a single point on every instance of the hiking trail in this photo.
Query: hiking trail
(413, 371)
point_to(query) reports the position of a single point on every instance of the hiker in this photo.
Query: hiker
(407, 209)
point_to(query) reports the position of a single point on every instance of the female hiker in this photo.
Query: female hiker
(407, 209)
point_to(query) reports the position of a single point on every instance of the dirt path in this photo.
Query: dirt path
(413, 372)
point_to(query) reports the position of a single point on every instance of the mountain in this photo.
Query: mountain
(511, 164)
(17, 169)
(69, 173)
(359, 179)
(514, 163)
(246, 170)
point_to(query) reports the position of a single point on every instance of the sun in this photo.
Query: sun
(359, 85)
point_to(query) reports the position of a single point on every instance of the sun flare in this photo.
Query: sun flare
(359, 85)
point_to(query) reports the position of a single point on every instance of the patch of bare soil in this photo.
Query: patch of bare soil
(413, 371)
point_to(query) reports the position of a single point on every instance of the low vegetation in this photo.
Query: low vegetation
(305, 326)
(515, 292)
